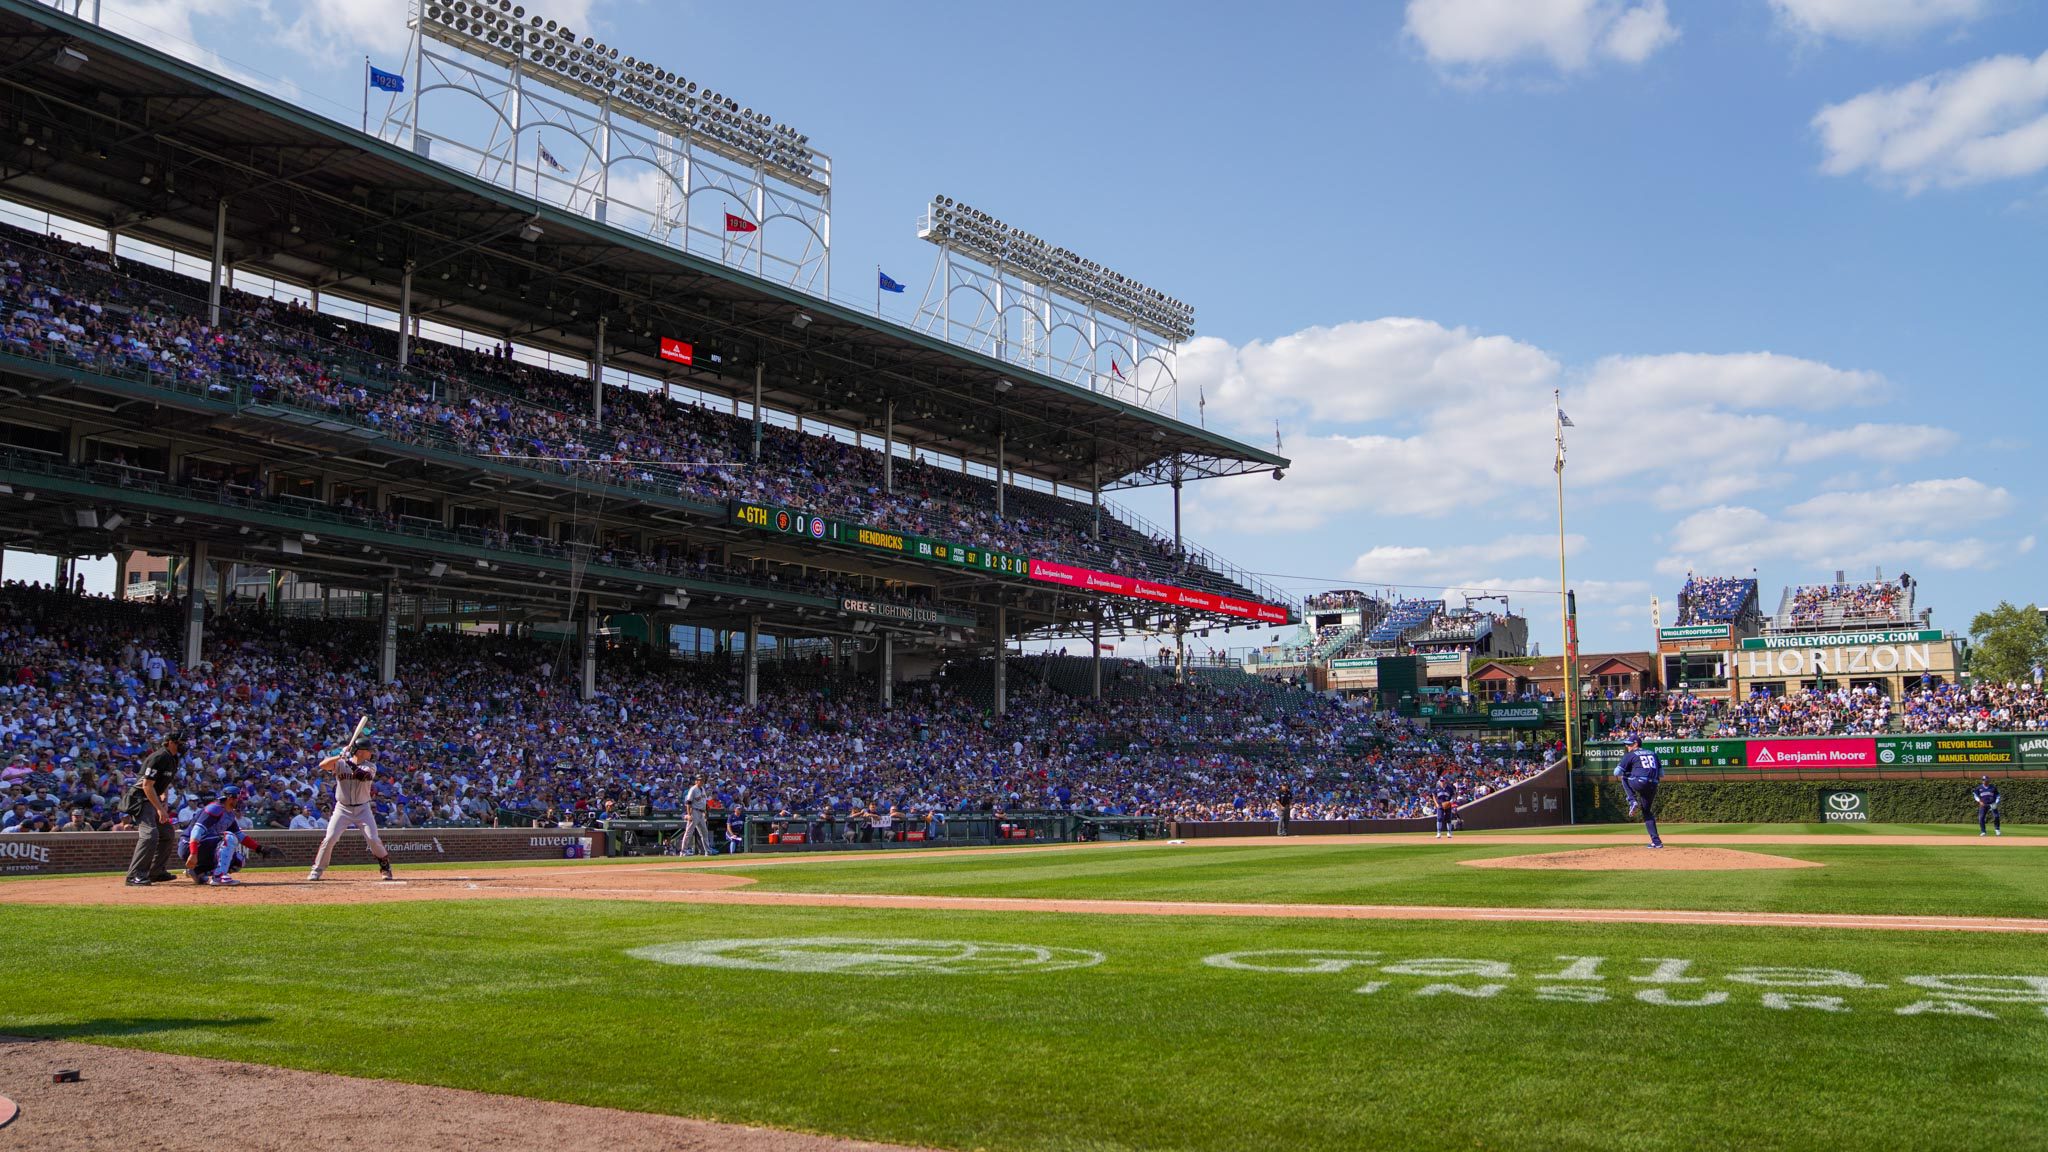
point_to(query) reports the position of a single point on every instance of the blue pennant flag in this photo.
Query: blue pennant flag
(386, 81)
(888, 285)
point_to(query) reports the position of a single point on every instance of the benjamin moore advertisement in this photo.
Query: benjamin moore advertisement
(1828, 753)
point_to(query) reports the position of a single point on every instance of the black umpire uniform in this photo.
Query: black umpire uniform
(156, 839)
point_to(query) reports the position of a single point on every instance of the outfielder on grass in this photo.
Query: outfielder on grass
(1988, 800)
(354, 778)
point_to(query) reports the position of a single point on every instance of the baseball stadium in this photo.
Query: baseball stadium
(571, 681)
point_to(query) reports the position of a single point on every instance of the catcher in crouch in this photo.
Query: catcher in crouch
(353, 777)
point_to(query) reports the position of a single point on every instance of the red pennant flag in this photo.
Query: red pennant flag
(1113, 368)
(738, 224)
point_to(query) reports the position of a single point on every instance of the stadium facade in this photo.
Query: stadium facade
(1843, 634)
(474, 451)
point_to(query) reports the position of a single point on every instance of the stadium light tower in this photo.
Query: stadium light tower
(1002, 290)
(577, 124)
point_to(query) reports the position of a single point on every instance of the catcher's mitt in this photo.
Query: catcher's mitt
(266, 851)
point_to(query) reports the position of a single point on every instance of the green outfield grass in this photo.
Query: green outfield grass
(1150, 1048)
(1958, 880)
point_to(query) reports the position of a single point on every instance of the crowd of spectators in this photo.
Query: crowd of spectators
(1871, 602)
(1714, 599)
(66, 300)
(1928, 707)
(1343, 600)
(483, 729)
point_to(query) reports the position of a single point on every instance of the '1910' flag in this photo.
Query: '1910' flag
(738, 224)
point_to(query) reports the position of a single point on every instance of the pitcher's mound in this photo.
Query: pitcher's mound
(1644, 859)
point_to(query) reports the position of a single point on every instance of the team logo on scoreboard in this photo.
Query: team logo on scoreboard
(782, 521)
(817, 528)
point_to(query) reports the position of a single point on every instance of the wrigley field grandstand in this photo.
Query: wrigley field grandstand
(571, 680)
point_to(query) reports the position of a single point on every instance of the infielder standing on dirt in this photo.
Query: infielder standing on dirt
(353, 777)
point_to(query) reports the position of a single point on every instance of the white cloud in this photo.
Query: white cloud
(1905, 524)
(1986, 121)
(1874, 19)
(1877, 442)
(1369, 370)
(1735, 380)
(335, 29)
(1441, 566)
(1407, 417)
(167, 24)
(1569, 35)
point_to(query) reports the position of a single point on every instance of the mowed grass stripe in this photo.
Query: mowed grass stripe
(1858, 879)
(1151, 1049)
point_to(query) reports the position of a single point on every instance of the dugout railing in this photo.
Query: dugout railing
(838, 832)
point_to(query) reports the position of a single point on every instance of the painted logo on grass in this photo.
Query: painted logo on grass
(857, 956)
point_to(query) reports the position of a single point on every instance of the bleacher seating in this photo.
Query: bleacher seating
(1716, 599)
(1404, 615)
(485, 728)
(65, 302)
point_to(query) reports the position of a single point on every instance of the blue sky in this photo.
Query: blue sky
(1780, 255)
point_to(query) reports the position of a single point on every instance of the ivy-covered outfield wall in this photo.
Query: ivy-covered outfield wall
(1601, 799)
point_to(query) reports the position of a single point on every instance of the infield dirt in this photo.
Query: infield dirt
(678, 883)
(133, 1099)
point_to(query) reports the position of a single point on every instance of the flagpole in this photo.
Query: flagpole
(1571, 688)
(366, 95)
(878, 291)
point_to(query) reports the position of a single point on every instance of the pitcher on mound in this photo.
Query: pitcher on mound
(353, 776)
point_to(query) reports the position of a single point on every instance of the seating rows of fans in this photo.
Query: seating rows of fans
(1871, 602)
(1715, 599)
(487, 728)
(69, 302)
(1850, 711)
(1404, 615)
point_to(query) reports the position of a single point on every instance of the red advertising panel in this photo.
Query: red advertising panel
(679, 351)
(1842, 752)
(1090, 580)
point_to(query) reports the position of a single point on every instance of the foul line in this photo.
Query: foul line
(1305, 911)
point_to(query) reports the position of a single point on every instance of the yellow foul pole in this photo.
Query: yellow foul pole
(1571, 687)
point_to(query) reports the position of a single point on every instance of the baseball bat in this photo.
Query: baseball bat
(355, 737)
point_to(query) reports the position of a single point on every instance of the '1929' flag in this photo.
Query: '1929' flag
(738, 224)
(679, 351)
